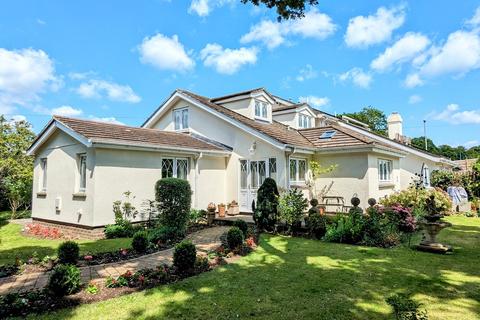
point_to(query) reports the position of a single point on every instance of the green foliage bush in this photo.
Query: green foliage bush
(67, 252)
(405, 308)
(124, 230)
(163, 235)
(265, 210)
(140, 241)
(174, 197)
(442, 179)
(292, 206)
(234, 238)
(242, 225)
(317, 225)
(64, 280)
(184, 257)
(416, 198)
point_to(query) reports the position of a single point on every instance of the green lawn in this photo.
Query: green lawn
(13, 244)
(292, 278)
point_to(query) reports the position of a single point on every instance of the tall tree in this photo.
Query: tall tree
(419, 142)
(16, 168)
(286, 9)
(373, 117)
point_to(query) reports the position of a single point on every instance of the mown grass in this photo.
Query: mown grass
(13, 244)
(294, 278)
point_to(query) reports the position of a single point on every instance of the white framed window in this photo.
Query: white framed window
(304, 121)
(175, 168)
(426, 176)
(82, 170)
(298, 171)
(180, 118)
(260, 109)
(272, 168)
(43, 174)
(385, 170)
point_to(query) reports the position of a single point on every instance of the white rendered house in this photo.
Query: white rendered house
(225, 147)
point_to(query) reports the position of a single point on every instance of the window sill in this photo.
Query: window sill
(41, 193)
(79, 195)
(386, 185)
(262, 119)
(187, 130)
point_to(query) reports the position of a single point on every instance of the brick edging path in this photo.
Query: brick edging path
(205, 240)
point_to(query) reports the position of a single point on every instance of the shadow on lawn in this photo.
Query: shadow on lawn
(296, 278)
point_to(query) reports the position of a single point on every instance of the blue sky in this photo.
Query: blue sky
(118, 60)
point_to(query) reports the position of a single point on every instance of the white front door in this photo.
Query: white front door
(252, 175)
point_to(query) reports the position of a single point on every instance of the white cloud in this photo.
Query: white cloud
(357, 76)
(105, 119)
(376, 28)
(314, 24)
(315, 101)
(452, 114)
(404, 50)
(67, 111)
(415, 98)
(165, 53)
(24, 75)
(227, 61)
(458, 55)
(413, 80)
(471, 143)
(80, 75)
(113, 91)
(204, 7)
(475, 20)
(306, 73)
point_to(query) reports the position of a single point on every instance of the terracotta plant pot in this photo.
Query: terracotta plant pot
(221, 210)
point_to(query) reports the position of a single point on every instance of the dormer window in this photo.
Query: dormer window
(261, 110)
(304, 121)
(180, 117)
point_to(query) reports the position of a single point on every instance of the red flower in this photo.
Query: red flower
(88, 258)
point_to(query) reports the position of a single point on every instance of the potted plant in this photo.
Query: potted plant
(210, 213)
(221, 210)
(233, 208)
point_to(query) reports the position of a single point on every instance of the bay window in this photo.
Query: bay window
(384, 170)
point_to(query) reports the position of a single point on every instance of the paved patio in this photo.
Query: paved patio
(205, 240)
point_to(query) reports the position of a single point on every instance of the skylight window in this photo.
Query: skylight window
(328, 134)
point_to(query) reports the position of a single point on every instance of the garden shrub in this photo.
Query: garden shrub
(242, 225)
(195, 216)
(416, 198)
(345, 229)
(234, 238)
(442, 179)
(405, 308)
(265, 210)
(201, 264)
(64, 280)
(317, 225)
(68, 252)
(184, 256)
(140, 241)
(163, 235)
(174, 198)
(124, 230)
(292, 206)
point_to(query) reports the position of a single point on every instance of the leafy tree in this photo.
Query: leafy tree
(292, 206)
(286, 9)
(265, 211)
(373, 117)
(419, 142)
(16, 168)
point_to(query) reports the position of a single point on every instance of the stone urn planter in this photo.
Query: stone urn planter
(432, 224)
(221, 210)
(233, 209)
(210, 213)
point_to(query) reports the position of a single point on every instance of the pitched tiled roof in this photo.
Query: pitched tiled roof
(113, 133)
(241, 94)
(282, 107)
(275, 130)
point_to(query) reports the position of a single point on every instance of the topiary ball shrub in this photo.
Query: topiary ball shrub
(174, 197)
(67, 252)
(140, 241)
(184, 257)
(64, 280)
(265, 211)
(234, 238)
(242, 225)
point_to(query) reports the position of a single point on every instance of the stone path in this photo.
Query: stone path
(205, 240)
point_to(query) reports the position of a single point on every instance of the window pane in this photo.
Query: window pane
(243, 174)
(264, 110)
(43, 165)
(293, 170)
(254, 174)
(257, 108)
(272, 168)
(167, 168)
(182, 168)
(262, 172)
(302, 170)
(184, 118)
(176, 116)
(83, 172)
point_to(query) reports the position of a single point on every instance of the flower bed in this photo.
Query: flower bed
(44, 232)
